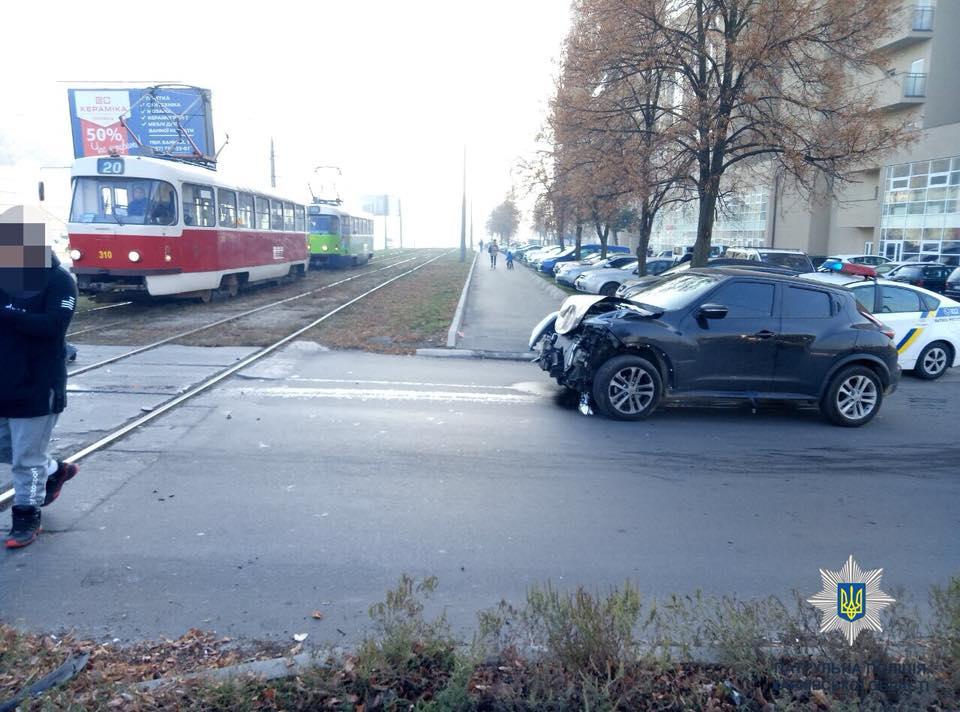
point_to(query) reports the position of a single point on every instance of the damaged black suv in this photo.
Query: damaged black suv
(721, 333)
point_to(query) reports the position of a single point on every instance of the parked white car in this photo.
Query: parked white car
(927, 324)
(605, 281)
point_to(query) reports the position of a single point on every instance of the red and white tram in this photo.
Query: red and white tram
(158, 227)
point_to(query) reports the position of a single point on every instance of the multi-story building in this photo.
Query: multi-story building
(907, 205)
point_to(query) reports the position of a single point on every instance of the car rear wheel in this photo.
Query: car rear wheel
(609, 289)
(627, 388)
(933, 361)
(853, 398)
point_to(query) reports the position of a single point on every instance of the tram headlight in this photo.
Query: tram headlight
(134, 256)
(323, 247)
(75, 255)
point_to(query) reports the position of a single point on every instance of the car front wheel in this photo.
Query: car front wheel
(933, 361)
(627, 388)
(853, 398)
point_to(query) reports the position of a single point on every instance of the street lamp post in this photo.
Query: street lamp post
(463, 211)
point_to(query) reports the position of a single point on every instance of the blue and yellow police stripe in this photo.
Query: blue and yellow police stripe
(907, 341)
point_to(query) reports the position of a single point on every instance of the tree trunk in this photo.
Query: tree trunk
(646, 227)
(616, 237)
(576, 254)
(708, 213)
(603, 230)
(561, 227)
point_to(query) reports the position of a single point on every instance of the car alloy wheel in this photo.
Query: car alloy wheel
(853, 397)
(631, 390)
(933, 361)
(857, 397)
(627, 387)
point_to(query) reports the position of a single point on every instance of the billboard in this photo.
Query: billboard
(158, 121)
(376, 204)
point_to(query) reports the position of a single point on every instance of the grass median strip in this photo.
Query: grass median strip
(560, 650)
(413, 313)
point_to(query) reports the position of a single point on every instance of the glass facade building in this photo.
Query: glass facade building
(741, 222)
(921, 211)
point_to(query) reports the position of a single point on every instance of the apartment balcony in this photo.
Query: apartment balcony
(916, 26)
(901, 91)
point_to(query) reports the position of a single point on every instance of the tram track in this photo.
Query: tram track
(6, 496)
(171, 307)
(227, 319)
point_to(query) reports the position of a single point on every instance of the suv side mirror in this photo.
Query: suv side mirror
(712, 311)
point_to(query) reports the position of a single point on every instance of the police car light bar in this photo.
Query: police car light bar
(850, 268)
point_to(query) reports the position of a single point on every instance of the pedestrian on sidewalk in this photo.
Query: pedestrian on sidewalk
(509, 258)
(481, 245)
(494, 250)
(37, 301)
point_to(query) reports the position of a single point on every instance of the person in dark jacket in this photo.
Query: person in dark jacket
(37, 301)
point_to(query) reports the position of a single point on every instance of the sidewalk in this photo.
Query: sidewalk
(503, 306)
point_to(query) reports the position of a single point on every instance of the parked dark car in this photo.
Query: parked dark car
(724, 333)
(633, 286)
(952, 289)
(929, 275)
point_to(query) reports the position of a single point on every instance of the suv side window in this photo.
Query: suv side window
(897, 300)
(745, 300)
(802, 303)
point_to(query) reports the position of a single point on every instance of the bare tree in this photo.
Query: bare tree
(504, 220)
(785, 82)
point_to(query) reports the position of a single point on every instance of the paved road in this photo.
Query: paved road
(318, 478)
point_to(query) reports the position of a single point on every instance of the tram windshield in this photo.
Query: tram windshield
(127, 201)
(326, 224)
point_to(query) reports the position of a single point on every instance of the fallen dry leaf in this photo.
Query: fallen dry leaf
(318, 615)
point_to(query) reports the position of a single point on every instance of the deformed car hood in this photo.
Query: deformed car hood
(573, 310)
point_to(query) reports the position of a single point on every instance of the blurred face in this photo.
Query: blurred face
(24, 256)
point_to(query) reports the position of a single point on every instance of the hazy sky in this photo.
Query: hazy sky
(389, 91)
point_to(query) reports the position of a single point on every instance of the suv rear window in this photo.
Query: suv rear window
(799, 303)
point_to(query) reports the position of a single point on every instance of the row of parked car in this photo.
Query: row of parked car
(755, 323)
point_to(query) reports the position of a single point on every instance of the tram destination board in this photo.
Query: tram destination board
(158, 120)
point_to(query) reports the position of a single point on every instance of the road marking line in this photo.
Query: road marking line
(388, 394)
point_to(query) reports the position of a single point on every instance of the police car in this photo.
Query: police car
(926, 324)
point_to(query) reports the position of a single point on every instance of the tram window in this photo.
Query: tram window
(138, 201)
(288, 221)
(228, 207)
(245, 212)
(276, 215)
(345, 225)
(301, 220)
(334, 225)
(263, 213)
(198, 205)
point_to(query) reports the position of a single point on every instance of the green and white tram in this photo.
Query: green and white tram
(337, 237)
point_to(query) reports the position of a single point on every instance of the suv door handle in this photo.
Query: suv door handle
(765, 334)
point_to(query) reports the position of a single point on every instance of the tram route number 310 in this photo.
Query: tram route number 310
(110, 166)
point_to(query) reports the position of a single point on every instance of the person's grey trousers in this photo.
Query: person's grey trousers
(23, 444)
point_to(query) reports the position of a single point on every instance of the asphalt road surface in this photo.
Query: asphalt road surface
(318, 478)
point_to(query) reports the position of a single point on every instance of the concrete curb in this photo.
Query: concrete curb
(476, 353)
(551, 289)
(461, 305)
(261, 669)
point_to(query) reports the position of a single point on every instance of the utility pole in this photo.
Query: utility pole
(400, 215)
(386, 222)
(471, 224)
(463, 211)
(273, 166)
